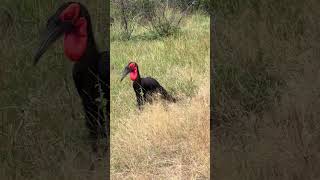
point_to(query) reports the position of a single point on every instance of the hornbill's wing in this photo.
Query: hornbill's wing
(151, 83)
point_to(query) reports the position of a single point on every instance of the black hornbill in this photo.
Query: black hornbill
(146, 87)
(91, 67)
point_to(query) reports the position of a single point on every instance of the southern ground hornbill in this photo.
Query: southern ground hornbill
(91, 67)
(144, 88)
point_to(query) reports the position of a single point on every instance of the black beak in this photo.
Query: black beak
(53, 32)
(125, 72)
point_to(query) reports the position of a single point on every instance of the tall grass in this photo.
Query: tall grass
(42, 126)
(267, 88)
(165, 140)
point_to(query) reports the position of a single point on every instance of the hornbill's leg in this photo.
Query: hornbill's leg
(147, 96)
(140, 98)
(104, 66)
(94, 118)
(86, 85)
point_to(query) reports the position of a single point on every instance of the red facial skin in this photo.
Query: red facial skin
(75, 42)
(134, 71)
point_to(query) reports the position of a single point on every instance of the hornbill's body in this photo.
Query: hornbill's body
(144, 88)
(91, 67)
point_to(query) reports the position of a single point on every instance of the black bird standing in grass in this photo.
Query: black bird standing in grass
(146, 87)
(91, 67)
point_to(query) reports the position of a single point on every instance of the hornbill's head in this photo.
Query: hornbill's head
(131, 68)
(73, 21)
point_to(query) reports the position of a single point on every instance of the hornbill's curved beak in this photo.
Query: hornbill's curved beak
(53, 32)
(125, 72)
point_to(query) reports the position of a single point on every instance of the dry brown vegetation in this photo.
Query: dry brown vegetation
(268, 92)
(165, 141)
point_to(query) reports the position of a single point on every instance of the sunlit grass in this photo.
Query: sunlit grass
(181, 64)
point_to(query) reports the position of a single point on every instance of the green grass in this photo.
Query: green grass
(181, 64)
(177, 62)
(42, 126)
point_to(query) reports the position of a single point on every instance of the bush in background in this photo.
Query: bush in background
(160, 17)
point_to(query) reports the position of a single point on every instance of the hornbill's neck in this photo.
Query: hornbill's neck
(91, 53)
(92, 46)
(135, 76)
(82, 37)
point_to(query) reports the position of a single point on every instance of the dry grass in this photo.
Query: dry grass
(267, 92)
(164, 140)
(168, 141)
(279, 144)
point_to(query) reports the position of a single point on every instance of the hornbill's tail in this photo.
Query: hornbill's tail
(167, 96)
